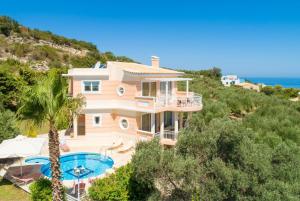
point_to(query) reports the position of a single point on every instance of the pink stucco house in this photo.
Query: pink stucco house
(133, 99)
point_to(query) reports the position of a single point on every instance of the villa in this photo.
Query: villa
(132, 99)
(228, 80)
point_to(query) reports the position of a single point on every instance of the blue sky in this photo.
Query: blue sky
(248, 38)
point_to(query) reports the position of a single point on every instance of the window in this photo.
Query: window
(168, 120)
(145, 89)
(149, 89)
(124, 123)
(120, 91)
(97, 120)
(91, 86)
(146, 122)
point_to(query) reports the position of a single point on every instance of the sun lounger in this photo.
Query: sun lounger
(18, 180)
(81, 189)
(116, 144)
(65, 148)
(127, 147)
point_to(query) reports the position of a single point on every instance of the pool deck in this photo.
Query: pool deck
(95, 143)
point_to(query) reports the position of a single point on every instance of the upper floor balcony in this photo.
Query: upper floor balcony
(181, 101)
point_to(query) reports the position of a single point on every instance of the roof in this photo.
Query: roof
(169, 79)
(87, 72)
(136, 68)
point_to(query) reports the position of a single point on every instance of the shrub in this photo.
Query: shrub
(8, 25)
(41, 190)
(8, 128)
(114, 187)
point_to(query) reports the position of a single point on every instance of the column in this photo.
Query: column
(167, 93)
(189, 117)
(181, 120)
(176, 123)
(162, 125)
(187, 88)
(153, 123)
(75, 126)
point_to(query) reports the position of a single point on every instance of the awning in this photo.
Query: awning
(168, 79)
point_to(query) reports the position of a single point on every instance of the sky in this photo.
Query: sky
(247, 38)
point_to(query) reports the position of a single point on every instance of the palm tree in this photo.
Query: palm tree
(48, 103)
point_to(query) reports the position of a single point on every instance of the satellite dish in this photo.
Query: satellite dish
(98, 64)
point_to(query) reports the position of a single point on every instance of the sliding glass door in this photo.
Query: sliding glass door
(166, 90)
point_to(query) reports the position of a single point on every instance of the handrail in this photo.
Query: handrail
(190, 99)
(172, 135)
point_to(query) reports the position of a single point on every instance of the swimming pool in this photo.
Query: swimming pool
(92, 164)
(37, 160)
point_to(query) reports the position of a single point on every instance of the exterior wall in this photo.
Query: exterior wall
(108, 90)
(111, 122)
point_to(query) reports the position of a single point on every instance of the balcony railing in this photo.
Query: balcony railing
(180, 100)
(190, 100)
(171, 135)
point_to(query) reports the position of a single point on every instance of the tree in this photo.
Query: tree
(48, 102)
(8, 128)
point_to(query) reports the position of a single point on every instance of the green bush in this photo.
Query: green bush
(45, 52)
(8, 128)
(8, 25)
(41, 190)
(112, 188)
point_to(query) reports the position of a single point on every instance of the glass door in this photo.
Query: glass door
(166, 91)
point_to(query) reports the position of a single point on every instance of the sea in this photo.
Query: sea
(272, 81)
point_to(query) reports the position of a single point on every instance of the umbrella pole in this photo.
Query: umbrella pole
(21, 167)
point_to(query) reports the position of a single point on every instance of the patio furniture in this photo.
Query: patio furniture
(116, 144)
(81, 189)
(19, 180)
(126, 148)
(64, 148)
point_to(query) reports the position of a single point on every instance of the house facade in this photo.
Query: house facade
(133, 99)
(228, 80)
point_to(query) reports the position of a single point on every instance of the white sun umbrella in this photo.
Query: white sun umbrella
(20, 147)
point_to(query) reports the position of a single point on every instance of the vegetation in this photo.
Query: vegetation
(243, 145)
(35, 46)
(8, 125)
(47, 102)
(118, 186)
(41, 190)
(113, 187)
(280, 91)
(9, 192)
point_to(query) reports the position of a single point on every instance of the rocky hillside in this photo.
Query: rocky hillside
(42, 50)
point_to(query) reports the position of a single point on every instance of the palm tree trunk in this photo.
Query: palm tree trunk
(54, 153)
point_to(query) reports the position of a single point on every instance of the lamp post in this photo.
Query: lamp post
(77, 171)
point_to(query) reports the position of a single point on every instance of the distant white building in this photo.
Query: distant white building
(228, 80)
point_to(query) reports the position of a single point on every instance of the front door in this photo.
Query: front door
(81, 124)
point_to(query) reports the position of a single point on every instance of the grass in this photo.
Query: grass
(9, 192)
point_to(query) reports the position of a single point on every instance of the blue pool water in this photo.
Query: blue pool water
(93, 164)
(37, 160)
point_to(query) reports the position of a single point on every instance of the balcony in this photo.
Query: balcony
(180, 102)
(168, 138)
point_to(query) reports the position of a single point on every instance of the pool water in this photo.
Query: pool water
(91, 164)
(37, 160)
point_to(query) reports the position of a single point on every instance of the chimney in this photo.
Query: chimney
(155, 61)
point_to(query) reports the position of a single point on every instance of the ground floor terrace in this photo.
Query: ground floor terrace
(141, 125)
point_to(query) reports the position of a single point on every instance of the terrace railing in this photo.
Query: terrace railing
(190, 100)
